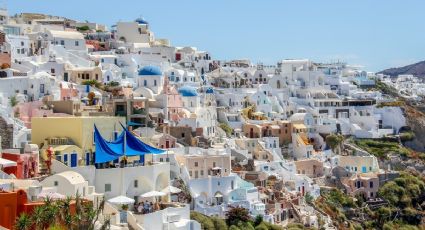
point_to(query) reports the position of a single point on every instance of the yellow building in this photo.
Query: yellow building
(76, 131)
(80, 74)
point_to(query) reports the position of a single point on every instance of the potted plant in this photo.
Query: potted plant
(124, 207)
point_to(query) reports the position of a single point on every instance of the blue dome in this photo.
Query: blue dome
(141, 21)
(150, 70)
(209, 91)
(188, 91)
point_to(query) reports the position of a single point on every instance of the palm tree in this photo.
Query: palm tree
(65, 214)
(37, 217)
(23, 222)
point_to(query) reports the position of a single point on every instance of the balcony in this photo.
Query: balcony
(139, 111)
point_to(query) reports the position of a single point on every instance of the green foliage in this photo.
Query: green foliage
(23, 222)
(226, 128)
(401, 191)
(334, 140)
(83, 28)
(92, 83)
(407, 136)
(294, 226)
(219, 223)
(308, 198)
(236, 215)
(113, 84)
(56, 215)
(382, 148)
(13, 101)
(261, 226)
(245, 225)
(205, 221)
(258, 220)
(339, 199)
(234, 227)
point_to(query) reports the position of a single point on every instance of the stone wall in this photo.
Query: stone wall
(6, 133)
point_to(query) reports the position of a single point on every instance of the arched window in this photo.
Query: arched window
(278, 84)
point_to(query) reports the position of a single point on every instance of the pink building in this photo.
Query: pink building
(26, 163)
(174, 103)
(68, 91)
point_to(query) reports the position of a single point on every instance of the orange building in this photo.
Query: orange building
(13, 204)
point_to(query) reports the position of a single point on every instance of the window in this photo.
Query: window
(77, 43)
(182, 134)
(213, 164)
(108, 188)
(145, 83)
(62, 42)
(136, 183)
(97, 76)
(55, 183)
(154, 82)
(196, 164)
(52, 70)
(371, 184)
(167, 159)
(190, 173)
(218, 183)
(22, 43)
(161, 160)
(202, 172)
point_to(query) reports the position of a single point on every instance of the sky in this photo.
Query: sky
(375, 34)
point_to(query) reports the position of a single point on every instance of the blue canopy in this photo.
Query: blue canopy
(136, 147)
(126, 144)
(132, 123)
(107, 150)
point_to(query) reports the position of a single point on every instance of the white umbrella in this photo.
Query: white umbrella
(153, 194)
(171, 189)
(51, 195)
(121, 200)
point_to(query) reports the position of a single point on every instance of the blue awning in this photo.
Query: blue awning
(107, 150)
(132, 123)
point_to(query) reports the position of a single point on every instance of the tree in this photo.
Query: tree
(23, 222)
(258, 220)
(236, 214)
(13, 101)
(219, 223)
(334, 141)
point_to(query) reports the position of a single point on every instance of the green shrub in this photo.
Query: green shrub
(219, 223)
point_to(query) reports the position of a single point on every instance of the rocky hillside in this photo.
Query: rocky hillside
(417, 69)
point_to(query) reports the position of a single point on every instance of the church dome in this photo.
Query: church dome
(188, 91)
(141, 21)
(150, 71)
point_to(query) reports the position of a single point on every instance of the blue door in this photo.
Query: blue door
(363, 169)
(87, 158)
(65, 159)
(142, 159)
(74, 160)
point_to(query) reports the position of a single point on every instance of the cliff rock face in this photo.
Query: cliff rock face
(6, 134)
(417, 69)
(415, 119)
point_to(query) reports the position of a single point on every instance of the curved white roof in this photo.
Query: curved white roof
(72, 177)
